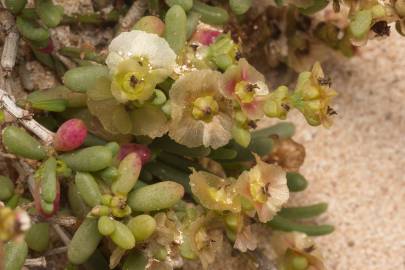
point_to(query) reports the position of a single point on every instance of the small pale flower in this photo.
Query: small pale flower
(204, 238)
(312, 96)
(296, 251)
(247, 86)
(118, 118)
(265, 187)
(246, 239)
(135, 80)
(138, 61)
(200, 115)
(139, 44)
(215, 193)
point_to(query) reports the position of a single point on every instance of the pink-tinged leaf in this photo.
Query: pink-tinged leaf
(49, 48)
(143, 151)
(205, 36)
(37, 201)
(70, 135)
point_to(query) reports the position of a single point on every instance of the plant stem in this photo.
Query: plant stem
(10, 50)
(134, 13)
(84, 54)
(56, 251)
(25, 118)
(36, 262)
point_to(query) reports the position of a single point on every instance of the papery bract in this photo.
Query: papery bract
(247, 86)
(200, 114)
(265, 187)
(295, 244)
(313, 95)
(215, 193)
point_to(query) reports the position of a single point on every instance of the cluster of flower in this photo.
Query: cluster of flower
(182, 90)
(204, 96)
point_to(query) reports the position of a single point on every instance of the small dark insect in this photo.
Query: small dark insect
(309, 249)
(275, 30)
(194, 46)
(251, 87)
(285, 106)
(325, 81)
(208, 111)
(252, 124)
(331, 111)
(303, 23)
(381, 28)
(133, 81)
(238, 55)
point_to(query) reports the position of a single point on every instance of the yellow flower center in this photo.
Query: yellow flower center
(132, 83)
(245, 91)
(205, 108)
(134, 79)
(201, 238)
(258, 189)
(220, 195)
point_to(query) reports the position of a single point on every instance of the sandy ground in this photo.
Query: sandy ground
(357, 165)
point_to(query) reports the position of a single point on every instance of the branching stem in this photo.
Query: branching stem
(25, 118)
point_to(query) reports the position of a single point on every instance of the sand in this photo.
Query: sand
(357, 165)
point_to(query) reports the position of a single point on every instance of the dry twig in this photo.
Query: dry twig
(135, 12)
(25, 118)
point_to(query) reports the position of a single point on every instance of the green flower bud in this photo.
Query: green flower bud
(106, 225)
(241, 135)
(276, 104)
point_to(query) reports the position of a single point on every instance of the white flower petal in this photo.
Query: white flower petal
(261, 89)
(142, 44)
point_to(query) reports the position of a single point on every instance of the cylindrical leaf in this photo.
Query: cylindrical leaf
(88, 189)
(17, 141)
(88, 159)
(129, 170)
(142, 227)
(155, 197)
(106, 225)
(37, 237)
(122, 236)
(82, 78)
(176, 28)
(210, 14)
(84, 241)
(15, 253)
(76, 202)
(6, 188)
